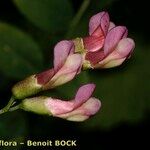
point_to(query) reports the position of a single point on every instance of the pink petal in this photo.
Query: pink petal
(56, 106)
(61, 52)
(124, 47)
(83, 94)
(99, 21)
(67, 72)
(113, 37)
(94, 22)
(111, 63)
(77, 117)
(119, 55)
(44, 77)
(105, 23)
(95, 57)
(89, 108)
(93, 43)
(111, 25)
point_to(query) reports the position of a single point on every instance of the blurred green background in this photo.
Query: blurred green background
(29, 29)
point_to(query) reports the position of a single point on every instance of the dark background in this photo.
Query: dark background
(123, 121)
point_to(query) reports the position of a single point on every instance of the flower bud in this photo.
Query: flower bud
(66, 66)
(79, 109)
(66, 73)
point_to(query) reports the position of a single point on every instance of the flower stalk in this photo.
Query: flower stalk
(9, 107)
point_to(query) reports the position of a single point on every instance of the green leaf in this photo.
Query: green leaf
(50, 15)
(19, 53)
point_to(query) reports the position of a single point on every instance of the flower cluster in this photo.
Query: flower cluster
(106, 46)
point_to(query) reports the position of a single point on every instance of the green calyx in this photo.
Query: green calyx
(26, 88)
(36, 105)
(86, 65)
(79, 46)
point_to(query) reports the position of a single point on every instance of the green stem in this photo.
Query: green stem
(78, 17)
(1, 111)
(7, 107)
(10, 109)
(14, 108)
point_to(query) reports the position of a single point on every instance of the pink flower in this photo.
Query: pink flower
(66, 65)
(98, 28)
(79, 109)
(117, 48)
(107, 45)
